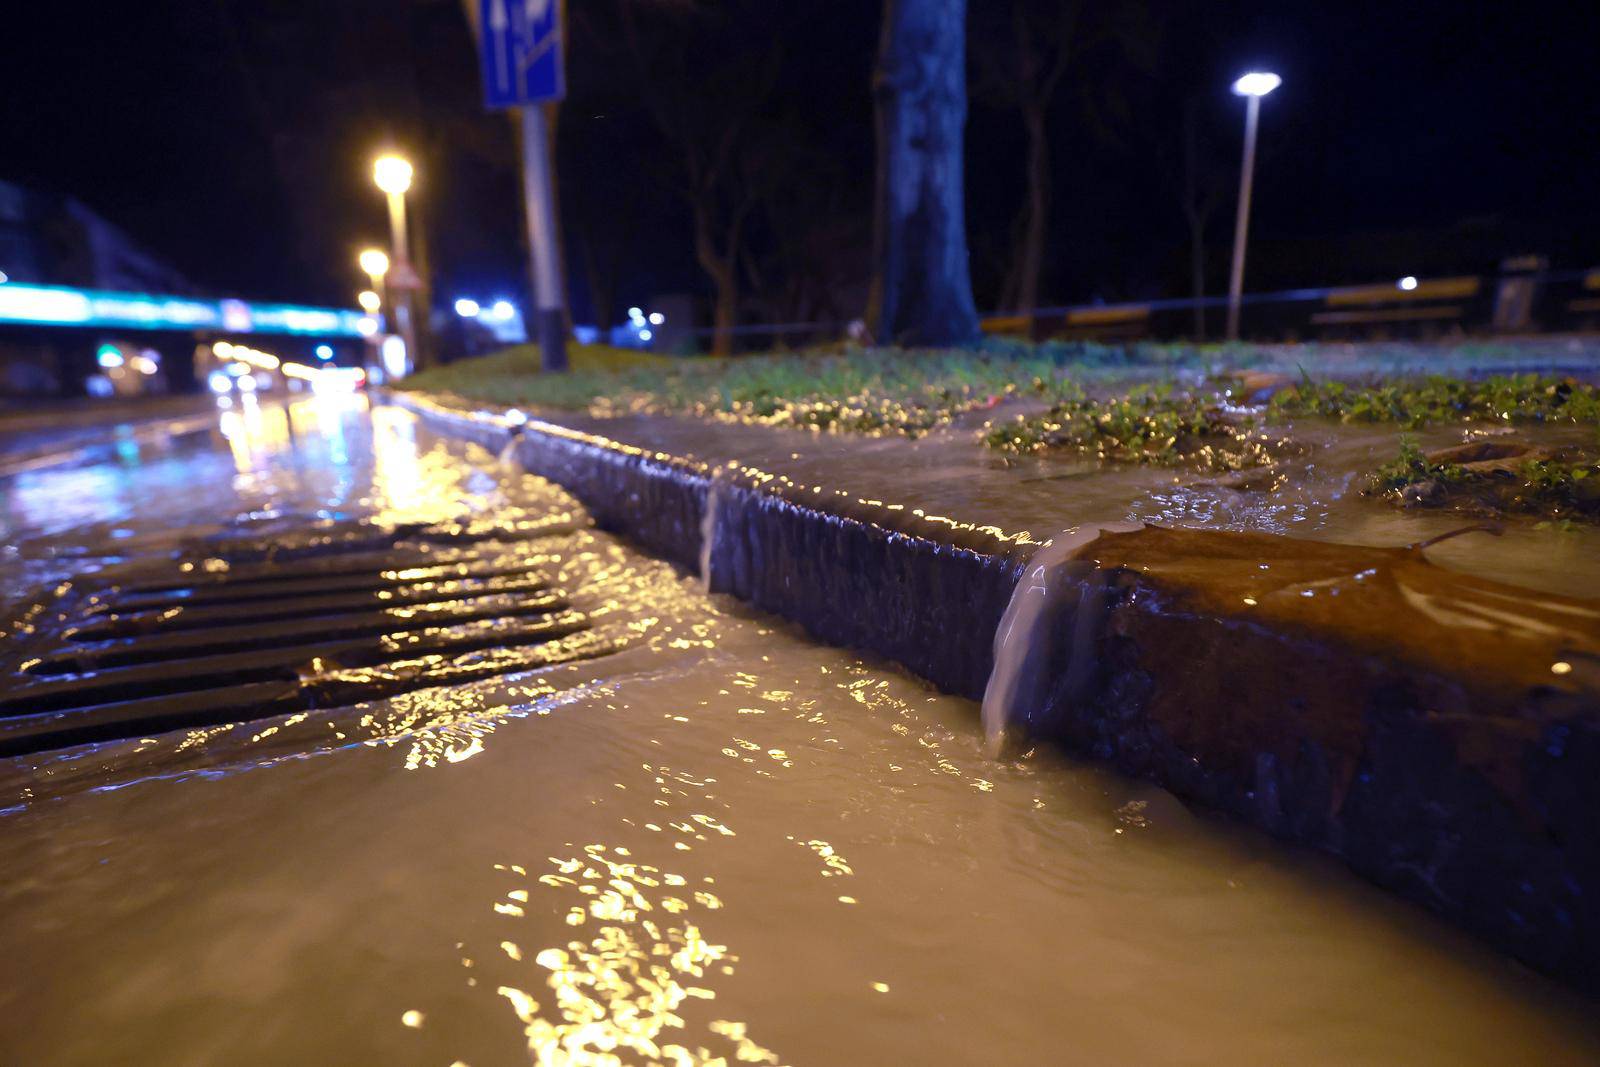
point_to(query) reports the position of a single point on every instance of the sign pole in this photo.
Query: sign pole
(519, 52)
(546, 259)
(403, 273)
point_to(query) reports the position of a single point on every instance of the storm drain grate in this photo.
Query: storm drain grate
(320, 615)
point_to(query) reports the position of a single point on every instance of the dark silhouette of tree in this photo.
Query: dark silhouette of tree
(922, 289)
(704, 98)
(1024, 54)
(1205, 189)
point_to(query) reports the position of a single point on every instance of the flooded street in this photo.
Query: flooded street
(720, 842)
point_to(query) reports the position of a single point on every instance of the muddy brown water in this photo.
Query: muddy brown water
(722, 841)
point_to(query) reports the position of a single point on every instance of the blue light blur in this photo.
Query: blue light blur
(57, 305)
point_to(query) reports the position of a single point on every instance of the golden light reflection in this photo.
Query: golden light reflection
(630, 992)
(397, 472)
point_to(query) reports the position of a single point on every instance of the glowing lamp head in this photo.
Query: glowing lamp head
(1256, 83)
(324, 351)
(467, 308)
(366, 326)
(374, 262)
(369, 301)
(392, 173)
(503, 310)
(1408, 283)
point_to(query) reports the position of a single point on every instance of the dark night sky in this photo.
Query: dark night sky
(234, 138)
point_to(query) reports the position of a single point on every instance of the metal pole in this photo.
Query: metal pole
(1241, 227)
(400, 296)
(549, 317)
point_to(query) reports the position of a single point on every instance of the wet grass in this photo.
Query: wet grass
(1220, 427)
(1559, 488)
(1114, 402)
(846, 388)
(1436, 400)
(1152, 424)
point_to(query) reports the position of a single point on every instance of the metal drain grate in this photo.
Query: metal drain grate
(282, 620)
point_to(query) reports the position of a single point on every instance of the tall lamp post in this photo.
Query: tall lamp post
(393, 175)
(1252, 87)
(375, 265)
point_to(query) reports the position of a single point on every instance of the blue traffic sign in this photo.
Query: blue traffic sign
(520, 51)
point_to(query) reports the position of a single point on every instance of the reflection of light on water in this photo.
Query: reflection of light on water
(234, 431)
(329, 412)
(623, 994)
(397, 470)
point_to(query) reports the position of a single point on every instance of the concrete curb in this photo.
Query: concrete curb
(1447, 764)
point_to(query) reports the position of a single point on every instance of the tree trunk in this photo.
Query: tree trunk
(602, 298)
(1031, 254)
(1194, 210)
(1197, 271)
(922, 288)
(723, 271)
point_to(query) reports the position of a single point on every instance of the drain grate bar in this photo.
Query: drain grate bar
(242, 637)
(233, 628)
(54, 692)
(185, 617)
(259, 589)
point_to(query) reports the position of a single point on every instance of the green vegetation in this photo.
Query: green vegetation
(1412, 467)
(1125, 418)
(1149, 425)
(1437, 399)
(1559, 487)
(852, 389)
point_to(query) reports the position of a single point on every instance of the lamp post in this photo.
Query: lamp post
(1252, 87)
(393, 175)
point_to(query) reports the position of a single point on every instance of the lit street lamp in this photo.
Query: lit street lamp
(393, 175)
(375, 264)
(1252, 87)
(369, 300)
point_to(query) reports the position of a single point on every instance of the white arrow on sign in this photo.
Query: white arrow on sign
(497, 26)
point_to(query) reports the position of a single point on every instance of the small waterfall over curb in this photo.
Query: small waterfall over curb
(507, 459)
(1055, 590)
(515, 421)
(708, 527)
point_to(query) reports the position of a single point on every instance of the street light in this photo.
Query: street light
(375, 263)
(370, 301)
(1252, 86)
(392, 174)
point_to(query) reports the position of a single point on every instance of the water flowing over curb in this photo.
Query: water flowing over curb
(1057, 590)
(1439, 733)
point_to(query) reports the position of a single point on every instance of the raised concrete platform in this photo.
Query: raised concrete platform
(1440, 733)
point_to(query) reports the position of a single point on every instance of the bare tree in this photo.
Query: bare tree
(704, 102)
(1205, 188)
(1022, 59)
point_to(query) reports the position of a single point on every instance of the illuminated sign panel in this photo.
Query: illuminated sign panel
(54, 305)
